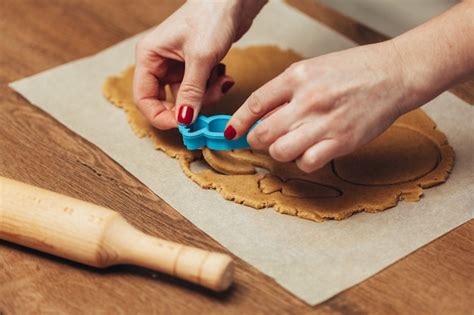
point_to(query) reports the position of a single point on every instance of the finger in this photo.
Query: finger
(191, 90)
(147, 94)
(280, 122)
(293, 144)
(217, 90)
(157, 114)
(214, 92)
(271, 95)
(319, 155)
(165, 120)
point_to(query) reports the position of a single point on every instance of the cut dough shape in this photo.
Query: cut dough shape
(409, 156)
(225, 163)
(374, 163)
(297, 188)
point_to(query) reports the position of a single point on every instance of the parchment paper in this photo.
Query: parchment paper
(312, 260)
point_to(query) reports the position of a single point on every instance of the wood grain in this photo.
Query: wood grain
(100, 237)
(36, 149)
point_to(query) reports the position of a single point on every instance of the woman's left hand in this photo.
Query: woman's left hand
(325, 107)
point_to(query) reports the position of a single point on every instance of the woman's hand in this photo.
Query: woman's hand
(184, 52)
(325, 107)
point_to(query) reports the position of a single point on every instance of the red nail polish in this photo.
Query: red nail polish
(226, 86)
(185, 114)
(229, 132)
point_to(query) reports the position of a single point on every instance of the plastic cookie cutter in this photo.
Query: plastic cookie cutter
(209, 132)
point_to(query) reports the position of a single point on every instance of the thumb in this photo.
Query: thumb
(192, 90)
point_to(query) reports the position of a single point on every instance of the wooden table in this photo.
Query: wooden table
(35, 148)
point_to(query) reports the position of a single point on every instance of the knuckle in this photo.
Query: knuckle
(205, 56)
(280, 152)
(329, 98)
(191, 90)
(304, 165)
(253, 141)
(255, 105)
(159, 121)
(261, 133)
(310, 162)
(160, 124)
(319, 102)
(296, 72)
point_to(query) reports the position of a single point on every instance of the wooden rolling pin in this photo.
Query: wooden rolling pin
(99, 237)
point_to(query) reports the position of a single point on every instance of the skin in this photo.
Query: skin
(188, 37)
(318, 109)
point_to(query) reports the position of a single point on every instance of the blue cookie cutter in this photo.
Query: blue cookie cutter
(209, 132)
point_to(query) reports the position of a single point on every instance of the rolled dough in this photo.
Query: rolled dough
(409, 156)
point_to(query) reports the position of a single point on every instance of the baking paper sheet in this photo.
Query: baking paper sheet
(312, 260)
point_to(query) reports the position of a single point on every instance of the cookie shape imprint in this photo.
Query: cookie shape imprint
(408, 157)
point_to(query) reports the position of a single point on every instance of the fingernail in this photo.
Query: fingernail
(229, 132)
(185, 114)
(226, 86)
(220, 69)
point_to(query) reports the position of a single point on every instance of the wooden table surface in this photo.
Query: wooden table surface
(36, 149)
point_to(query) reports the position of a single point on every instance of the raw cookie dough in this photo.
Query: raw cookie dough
(225, 163)
(409, 156)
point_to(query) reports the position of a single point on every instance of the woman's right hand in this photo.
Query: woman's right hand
(184, 51)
